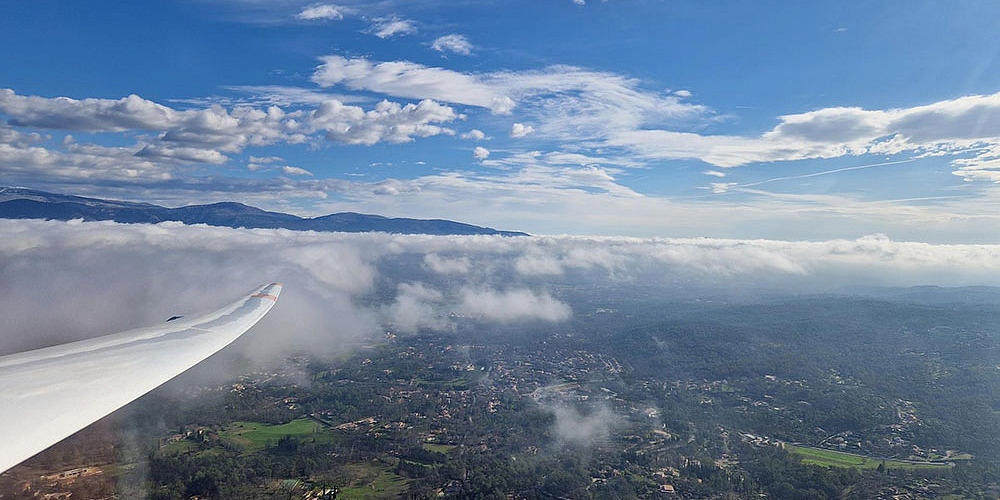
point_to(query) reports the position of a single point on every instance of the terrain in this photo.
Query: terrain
(826, 396)
(22, 203)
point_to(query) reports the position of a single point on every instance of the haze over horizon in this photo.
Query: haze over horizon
(677, 119)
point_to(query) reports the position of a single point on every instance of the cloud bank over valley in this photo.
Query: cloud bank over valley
(71, 280)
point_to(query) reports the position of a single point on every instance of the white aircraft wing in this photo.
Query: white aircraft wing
(48, 394)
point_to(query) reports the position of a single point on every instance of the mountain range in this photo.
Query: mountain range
(23, 203)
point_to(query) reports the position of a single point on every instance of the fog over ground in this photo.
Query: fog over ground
(70, 280)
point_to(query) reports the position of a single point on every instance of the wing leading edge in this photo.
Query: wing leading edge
(48, 394)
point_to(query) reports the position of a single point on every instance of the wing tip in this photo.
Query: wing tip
(270, 292)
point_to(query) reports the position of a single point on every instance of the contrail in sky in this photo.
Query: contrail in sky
(826, 172)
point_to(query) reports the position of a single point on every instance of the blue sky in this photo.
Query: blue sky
(789, 120)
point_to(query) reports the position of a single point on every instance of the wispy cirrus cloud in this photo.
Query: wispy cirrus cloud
(945, 127)
(284, 95)
(411, 80)
(290, 170)
(568, 103)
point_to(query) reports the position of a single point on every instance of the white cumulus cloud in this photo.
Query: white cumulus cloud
(520, 130)
(327, 12)
(454, 43)
(474, 134)
(388, 121)
(390, 26)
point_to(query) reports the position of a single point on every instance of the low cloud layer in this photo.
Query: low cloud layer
(512, 305)
(71, 280)
(583, 429)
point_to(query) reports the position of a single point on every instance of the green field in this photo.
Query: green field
(830, 458)
(255, 436)
(370, 481)
(438, 448)
(182, 446)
